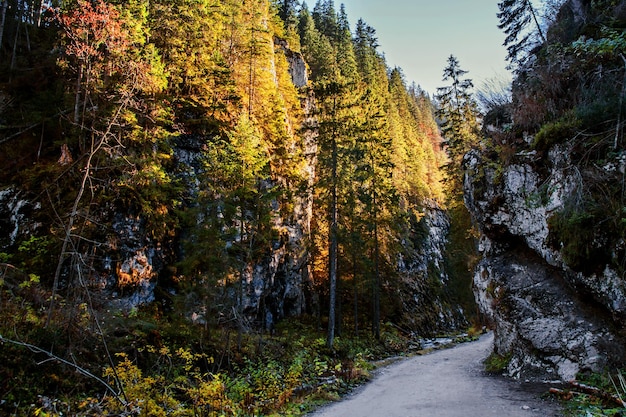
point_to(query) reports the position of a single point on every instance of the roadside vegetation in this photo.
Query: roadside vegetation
(595, 395)
(154, 361)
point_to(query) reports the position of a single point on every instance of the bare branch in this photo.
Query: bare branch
(53, 357)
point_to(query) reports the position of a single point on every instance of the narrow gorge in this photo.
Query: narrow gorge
(215, 207)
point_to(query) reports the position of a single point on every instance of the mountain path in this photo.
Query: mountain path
(445, 383)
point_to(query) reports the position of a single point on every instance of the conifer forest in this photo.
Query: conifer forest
(234, 208)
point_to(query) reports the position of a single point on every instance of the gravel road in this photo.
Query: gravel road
(446, 383)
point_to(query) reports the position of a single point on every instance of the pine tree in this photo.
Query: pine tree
(330, 54)
(288, 12)
(458, 113)
(377, 192)
(326, 19)
(516, 17)
(365, 44)
(195, 39)
(317, 49)
(372, 162)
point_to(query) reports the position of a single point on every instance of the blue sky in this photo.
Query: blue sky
(419, 35)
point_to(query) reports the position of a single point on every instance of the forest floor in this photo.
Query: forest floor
(445, 383)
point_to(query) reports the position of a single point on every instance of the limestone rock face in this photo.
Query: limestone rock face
(426, 309)
(297, 64)
(550, 319)
(540, 321)
(15, 217)
(134, 276)
(276, 286)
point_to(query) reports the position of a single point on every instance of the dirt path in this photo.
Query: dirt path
(446, 383)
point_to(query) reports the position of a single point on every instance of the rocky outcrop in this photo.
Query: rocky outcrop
(297, 64)
(15, 217)
(551, 320)
(275, 286)
(133, 278)
(427, 309)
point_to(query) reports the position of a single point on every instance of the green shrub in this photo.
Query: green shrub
(593, 116)
(576, 235)
(556, 132)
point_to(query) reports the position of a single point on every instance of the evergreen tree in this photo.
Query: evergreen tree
(415, 142)
(288, 11)
(516, 18)
(331, 56)
(326, 19)
(372, 162)
(317, 49)
(458, 116)
(458, 113)
(377, 193)
(365, 44)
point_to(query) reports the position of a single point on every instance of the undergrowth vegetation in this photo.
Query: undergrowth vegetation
(606, 391)
(149, 362)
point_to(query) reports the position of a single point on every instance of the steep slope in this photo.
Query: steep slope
(547, 193)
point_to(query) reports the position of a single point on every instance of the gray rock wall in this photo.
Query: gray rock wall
(427, 307)
(552, 321)
(15, 217)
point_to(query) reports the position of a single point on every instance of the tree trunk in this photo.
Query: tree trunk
(3, 15)
(251, 74)
(77, 95)
(333, 238)
(376, 319)
(242, 276)
(338, 310)
(14, 52)
(356, 293)
(42, 8)
(534, 15)
(618, 127)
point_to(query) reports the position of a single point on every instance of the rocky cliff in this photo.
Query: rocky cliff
(427, 306)
(551, 320)
(546, 190)
(132, 265)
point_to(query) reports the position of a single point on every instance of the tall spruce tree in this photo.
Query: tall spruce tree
(520, 22)
(372, 164)
(288, 11)
(458, 117)
(327, 45)
(458, 114)
(326, 19)
(377, 193)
